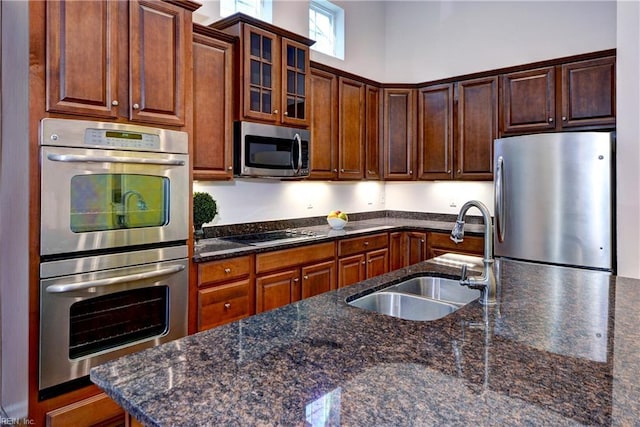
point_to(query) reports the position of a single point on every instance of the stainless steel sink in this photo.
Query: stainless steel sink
(404, 306)
(419, 298)
(437, 288)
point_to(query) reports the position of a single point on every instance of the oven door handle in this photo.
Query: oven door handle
(70, 287)
(76, 158)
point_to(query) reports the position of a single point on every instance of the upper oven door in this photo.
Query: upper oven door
(98, 199)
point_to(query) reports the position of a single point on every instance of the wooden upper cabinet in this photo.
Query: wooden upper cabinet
(572, 96)
(212, 105)
(295, 81)
(477, 127)
(159, 46)
(324, 125)
(373, 132)
(274, 71)
(351, 122)
(81, 62)
(435, 132)
(88, 60)
(589, 93)
(528, 101)
(399, 133)
(261, 81)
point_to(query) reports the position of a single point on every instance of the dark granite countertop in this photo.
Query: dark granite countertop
(562, 347)
(216, 248)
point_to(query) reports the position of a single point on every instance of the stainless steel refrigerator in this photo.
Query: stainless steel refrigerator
(554, 199)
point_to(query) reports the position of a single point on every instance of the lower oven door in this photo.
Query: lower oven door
(116, 304)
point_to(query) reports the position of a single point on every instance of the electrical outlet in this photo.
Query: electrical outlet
(453, 205)
(309, 206)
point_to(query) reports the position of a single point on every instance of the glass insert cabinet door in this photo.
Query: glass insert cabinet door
(276, 78)
(261, 92)
(295, 65)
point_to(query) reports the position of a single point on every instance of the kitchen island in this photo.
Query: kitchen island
(562, 347)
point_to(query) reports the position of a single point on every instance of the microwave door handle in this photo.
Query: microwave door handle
(296, 138)
(71, 287)
(78, 158)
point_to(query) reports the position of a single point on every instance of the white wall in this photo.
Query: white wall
(628, 138)
(14, 203)
(251, 200)
(429, 40)
(364, 31)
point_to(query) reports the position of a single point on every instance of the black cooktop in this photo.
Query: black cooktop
(271, 236)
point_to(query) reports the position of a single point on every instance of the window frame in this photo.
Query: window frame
(336, 16)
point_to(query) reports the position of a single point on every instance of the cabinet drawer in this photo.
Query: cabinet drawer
(223, 304)
(223, 270)
(441, 243)
(287, 258)
(361, 244)
(94, 410)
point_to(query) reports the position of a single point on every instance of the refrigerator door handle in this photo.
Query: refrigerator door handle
(500, 199)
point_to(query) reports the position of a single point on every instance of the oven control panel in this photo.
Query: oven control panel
(121, 139)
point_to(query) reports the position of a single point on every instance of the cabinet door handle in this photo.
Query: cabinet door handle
(227, 270)
(230, 168)
(550, 119)
(275, 111)
(296, 280)
(135, 106)
(363, 263)
(306, 277)
(421, 240)
(448, 170)
(410, 172)
(564, 118)
(286, 113)
(458, 171)
(227, 305)
(115, 103)
(335, 170)
(341, 170)
(370, 261)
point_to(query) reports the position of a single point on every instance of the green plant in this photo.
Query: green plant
(204, 208)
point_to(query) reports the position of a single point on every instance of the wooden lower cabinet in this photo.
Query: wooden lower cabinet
(224, 303)
(98, 410)
(416, 247)
(361, 258)
(396, 250)
(440, 244)
(225, 291)
(278, 289)
(318, 278)
(289, 275)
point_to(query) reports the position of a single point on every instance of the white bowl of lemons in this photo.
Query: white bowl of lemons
(337, 219)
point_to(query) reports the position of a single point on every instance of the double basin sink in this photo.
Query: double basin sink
(420, 298)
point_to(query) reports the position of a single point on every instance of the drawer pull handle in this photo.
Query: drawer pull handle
(366, 243)
(227, 305)
(227, 270)
(296, 280)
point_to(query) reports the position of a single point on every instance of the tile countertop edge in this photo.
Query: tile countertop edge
(214, 249)
(551, 361)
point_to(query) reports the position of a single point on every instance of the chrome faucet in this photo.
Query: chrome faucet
(487, 282)
(141, 205)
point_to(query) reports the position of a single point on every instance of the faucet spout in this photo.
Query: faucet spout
(487, 282)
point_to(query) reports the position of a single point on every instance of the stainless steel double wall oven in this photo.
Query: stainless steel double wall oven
(114, 260)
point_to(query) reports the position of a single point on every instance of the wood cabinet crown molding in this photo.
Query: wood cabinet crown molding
(242, 18)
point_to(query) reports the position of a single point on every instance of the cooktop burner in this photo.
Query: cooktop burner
(257, 239)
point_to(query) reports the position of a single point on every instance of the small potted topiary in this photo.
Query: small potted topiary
(204, 210)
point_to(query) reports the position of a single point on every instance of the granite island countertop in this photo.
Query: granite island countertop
(562, 347)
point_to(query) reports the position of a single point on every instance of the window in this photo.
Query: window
(260, 9)
(326, 27)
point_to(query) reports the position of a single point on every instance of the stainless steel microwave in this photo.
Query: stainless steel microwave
(270, 151)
